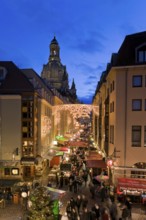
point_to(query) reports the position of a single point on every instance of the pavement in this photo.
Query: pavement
(15, 211)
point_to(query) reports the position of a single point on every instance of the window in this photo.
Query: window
(144, 136)
(137, 81)
(111, 107)
(112, 134)
(145, 105)
(136, 105)
(7, 171)
(136, 136)
(113, 85)
(141, 56)
(3, 73)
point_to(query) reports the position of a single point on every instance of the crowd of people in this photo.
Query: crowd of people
(78, 207)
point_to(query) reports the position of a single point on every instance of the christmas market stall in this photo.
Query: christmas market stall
(132, 187)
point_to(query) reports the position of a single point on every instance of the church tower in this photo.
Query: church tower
(73, 90)
(54, 73)
(54, 50)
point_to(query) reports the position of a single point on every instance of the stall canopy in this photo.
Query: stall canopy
(61, 140)
(94, 156)
(96, 164)
(56, 193)
(132, 183)
(77, 144)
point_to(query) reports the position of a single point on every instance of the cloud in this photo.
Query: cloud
(92, 42)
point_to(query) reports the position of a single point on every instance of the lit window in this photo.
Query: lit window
(137, 81)
(136, 105)
(15, 171)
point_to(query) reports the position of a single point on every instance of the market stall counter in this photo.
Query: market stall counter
(132, 187)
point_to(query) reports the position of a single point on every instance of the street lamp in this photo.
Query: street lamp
(25, 198)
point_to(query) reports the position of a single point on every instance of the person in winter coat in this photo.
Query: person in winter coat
(105, 215)
(96, 209)
(74, 214)
(68, 209)
(78, 203)
(113, 211)
(119, 212)
(64, 217)
(72, 203)
(85, 214)
(84, 202)
(125, 213)
(128, 204)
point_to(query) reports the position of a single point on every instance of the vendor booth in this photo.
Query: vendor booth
(96, 166)
(133, 188)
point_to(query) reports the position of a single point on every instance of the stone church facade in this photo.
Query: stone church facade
(55, 73)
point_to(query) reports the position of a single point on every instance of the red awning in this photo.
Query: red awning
(94, 155)
(96, 164)
(77, 144)
(131, 183)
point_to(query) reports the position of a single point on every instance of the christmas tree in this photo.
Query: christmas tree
(40, 205)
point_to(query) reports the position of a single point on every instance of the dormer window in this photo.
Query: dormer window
(141, 54)
(3, 73)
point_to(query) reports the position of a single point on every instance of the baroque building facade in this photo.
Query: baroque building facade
(120, 129)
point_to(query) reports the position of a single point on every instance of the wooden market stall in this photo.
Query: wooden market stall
(132, 187)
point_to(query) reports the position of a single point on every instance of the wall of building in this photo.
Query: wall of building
(10, 113)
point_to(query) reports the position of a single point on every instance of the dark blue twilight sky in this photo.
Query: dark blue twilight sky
(88, 32)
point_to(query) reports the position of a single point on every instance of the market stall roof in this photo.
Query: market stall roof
(93, 158)
(94, 155)
(96, 164)
(56, 193)
(131, 183)
(61, 140)
(55, 148)
(59, 153)
(77, 144)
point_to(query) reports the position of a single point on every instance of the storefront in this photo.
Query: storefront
(133, 188)
(28, 167)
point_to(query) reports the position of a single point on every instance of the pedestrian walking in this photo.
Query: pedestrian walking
(74, 214)
(85, 215)
(105, 215)
(119, 212)
(125, 213)
(128, 204)
(84, 202)
(72, 203)
(68, 209)
(64, 217)
(113, 211)
(96, 209)
(92, 190)
(78, 203)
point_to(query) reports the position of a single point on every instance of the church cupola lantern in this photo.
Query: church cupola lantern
(54, 50)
